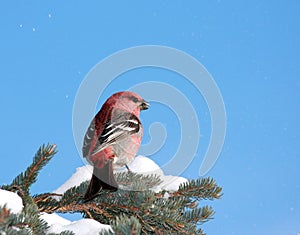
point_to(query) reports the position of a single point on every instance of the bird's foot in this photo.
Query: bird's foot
(128, 169)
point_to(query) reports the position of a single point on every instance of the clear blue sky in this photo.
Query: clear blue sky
(251, 48)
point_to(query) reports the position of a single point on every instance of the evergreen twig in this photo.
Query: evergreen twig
(29, 176)
(133, 209)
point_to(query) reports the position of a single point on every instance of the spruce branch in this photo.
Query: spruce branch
(155, 213)
(13, 223)
(63, 233)
(137, 182)
(198, 215)
(25, 179)
(124, 225)
(29, 221)
(203, 188)
(133, 209)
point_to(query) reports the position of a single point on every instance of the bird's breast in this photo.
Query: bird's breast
(126, 150)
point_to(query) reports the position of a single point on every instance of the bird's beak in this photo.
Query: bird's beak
(144, 105)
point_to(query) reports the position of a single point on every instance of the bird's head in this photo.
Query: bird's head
(129, 101)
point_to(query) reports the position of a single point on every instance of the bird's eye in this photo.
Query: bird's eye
(134, 99)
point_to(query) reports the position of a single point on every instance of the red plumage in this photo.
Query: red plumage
(113, 139)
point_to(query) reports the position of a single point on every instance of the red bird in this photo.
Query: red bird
(113, 139)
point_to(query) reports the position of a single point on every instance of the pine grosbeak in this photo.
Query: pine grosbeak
(113, 139)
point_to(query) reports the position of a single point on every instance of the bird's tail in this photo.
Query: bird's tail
(102, 179)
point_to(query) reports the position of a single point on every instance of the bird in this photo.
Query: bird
(113, 139)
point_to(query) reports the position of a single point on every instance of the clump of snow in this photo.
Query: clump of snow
(58, 224)
(12, 201)
(170, 183)
(146, 166)
(54, 218)
(82, 174)
(140, 165)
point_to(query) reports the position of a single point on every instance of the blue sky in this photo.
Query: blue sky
(251, 48)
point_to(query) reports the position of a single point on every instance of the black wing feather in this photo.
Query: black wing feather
(115, 130)
(125, 124)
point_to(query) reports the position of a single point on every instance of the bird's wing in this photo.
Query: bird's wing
(119, 128)
(88, 138)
